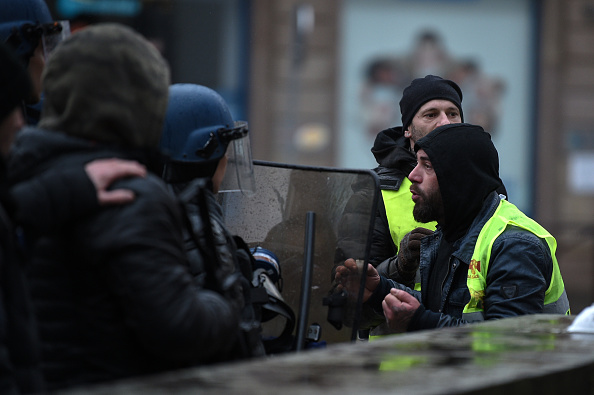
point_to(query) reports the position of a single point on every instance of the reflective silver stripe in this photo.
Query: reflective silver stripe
(473, 317)
(561, 306)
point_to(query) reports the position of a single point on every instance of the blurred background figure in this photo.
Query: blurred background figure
(20, 370)
(29, 29)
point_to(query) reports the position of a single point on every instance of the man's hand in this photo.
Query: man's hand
(103, 172)
(399, 307)
(409, 252)
(348, 276)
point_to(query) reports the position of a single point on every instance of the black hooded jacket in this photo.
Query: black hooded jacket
(392, 152)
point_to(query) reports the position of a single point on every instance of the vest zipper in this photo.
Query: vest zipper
(453, 266)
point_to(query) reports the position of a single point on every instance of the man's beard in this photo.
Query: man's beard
(416, 133)
(429, 208)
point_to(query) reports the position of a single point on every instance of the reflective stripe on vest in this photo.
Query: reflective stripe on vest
(399, 211)
(505, 215)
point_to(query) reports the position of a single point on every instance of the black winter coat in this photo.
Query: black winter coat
(112, 290)
(40, 204)
(19, 344)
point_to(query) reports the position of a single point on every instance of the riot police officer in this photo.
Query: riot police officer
(208, 153)
(29, 29)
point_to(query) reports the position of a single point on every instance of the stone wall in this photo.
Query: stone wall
(566, 129)
(515, 356)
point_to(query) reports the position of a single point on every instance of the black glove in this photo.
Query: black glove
(409, 252)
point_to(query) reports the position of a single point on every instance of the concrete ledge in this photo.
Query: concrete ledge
(522, 355)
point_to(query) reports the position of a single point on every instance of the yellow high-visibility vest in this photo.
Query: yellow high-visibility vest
(508, 214)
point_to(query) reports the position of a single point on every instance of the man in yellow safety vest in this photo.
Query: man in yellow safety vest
(486, 259)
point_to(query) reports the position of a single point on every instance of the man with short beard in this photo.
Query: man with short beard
(486, 260)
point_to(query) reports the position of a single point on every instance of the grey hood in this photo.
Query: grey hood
(106, 84)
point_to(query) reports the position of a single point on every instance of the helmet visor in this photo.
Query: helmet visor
(240, 171)
(53, 34)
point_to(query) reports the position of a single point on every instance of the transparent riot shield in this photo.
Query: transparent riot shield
(313, 219)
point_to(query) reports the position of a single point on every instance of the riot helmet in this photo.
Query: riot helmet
(24, 24)
(198, 132)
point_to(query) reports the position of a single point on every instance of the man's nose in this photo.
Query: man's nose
(443, 119)
(413, 176)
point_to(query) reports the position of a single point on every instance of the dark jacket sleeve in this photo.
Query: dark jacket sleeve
(382, 245)
(171, 315)
(389, 269)
(383, 289)
(519, 273)
(53, 198)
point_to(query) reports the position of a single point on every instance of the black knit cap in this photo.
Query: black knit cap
(14, 80)
(422, 90)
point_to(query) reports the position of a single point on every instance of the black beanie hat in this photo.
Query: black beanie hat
(14, 80)
(422, 90)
